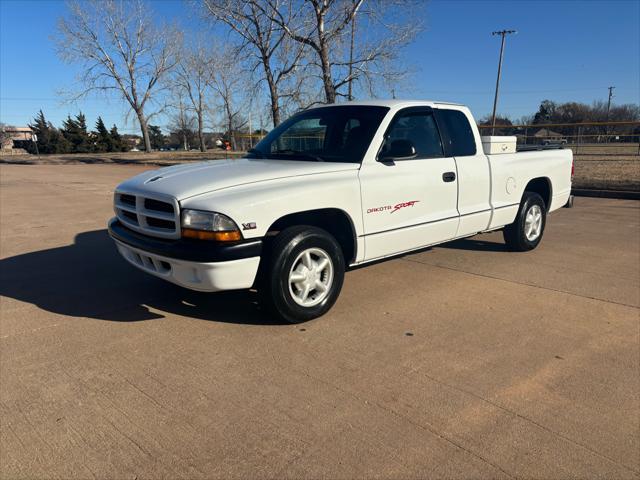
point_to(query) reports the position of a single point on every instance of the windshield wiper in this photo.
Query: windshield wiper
(311, 156)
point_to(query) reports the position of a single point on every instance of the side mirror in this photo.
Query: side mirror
(398, 150)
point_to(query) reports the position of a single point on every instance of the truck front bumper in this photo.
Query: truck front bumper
(194, 264)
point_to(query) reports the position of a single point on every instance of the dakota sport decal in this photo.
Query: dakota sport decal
(392, 208)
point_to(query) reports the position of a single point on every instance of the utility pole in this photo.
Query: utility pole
(606, 128)
(503, 34)
(609, 102)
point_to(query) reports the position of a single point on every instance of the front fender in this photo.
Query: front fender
(255, 207)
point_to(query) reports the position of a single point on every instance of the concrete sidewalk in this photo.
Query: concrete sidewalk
(462, 361)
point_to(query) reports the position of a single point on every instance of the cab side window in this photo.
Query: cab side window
(419, 128)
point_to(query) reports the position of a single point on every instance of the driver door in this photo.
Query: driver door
(411, 201)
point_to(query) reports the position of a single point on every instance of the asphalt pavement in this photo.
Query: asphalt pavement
(461, 361)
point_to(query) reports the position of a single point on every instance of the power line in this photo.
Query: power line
(53, 99)
(517, 92)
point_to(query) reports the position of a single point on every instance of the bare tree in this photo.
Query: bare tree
(194, 77)
(385, 27)
(229, 85)
(120, 50)
(5, 134)
(182, 123)
(352, 44)
(273, 51)
(319, 24)
(342, 56)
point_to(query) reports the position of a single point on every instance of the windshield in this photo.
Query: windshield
(340, 133)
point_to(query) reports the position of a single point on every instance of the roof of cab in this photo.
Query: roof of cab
(391, 103)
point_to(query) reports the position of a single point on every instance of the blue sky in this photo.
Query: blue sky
(564, 51)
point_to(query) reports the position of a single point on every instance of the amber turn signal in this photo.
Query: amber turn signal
(228, 236)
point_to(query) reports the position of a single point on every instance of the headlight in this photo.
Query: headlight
(209, 226)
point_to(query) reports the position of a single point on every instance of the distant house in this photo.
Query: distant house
(546, 136)
(132, 141)
(14, 138)
(546, 133)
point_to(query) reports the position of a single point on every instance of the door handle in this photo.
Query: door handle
(448, 176)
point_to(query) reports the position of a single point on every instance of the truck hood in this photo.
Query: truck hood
(184, 181)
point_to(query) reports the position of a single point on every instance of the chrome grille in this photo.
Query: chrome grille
(154, 215)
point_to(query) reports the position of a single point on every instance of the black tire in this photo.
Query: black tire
(515, 235)
(277, 294)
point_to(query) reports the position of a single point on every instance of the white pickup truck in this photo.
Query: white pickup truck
(330, 188)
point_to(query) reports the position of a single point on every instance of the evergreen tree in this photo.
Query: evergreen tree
(49, 138)
(116, 140)
(156, 137)
(59, 143)
(546, 112)
(42, 129)
(75, 132)
(68, 130)
(103, 140)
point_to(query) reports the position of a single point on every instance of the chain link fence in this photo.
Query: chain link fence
(594, 138)
(606, 154)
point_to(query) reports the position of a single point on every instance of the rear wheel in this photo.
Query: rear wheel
(303, 274)
(526, 231)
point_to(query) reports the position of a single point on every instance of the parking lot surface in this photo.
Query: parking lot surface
(461, 361)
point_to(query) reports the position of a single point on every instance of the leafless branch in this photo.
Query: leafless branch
(120, 50)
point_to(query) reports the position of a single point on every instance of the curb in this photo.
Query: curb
(623, 194)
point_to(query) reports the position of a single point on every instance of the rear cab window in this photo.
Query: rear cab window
(458, 136)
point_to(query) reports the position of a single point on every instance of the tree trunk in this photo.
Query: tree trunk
(145, 130)
(184, 141)
(203, 147)
(329, 89)
(232, 136)
(273, 93)
(353, 38)
(323, 52)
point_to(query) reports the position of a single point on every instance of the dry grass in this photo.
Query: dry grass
(607, 174)
(613, 166)
(606, 149)
(153, 158)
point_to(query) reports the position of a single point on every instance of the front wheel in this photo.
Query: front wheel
(526, 231)
(303, 275)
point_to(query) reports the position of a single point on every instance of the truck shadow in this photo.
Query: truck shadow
(475, 244)
(90, 279)
(472, 244)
